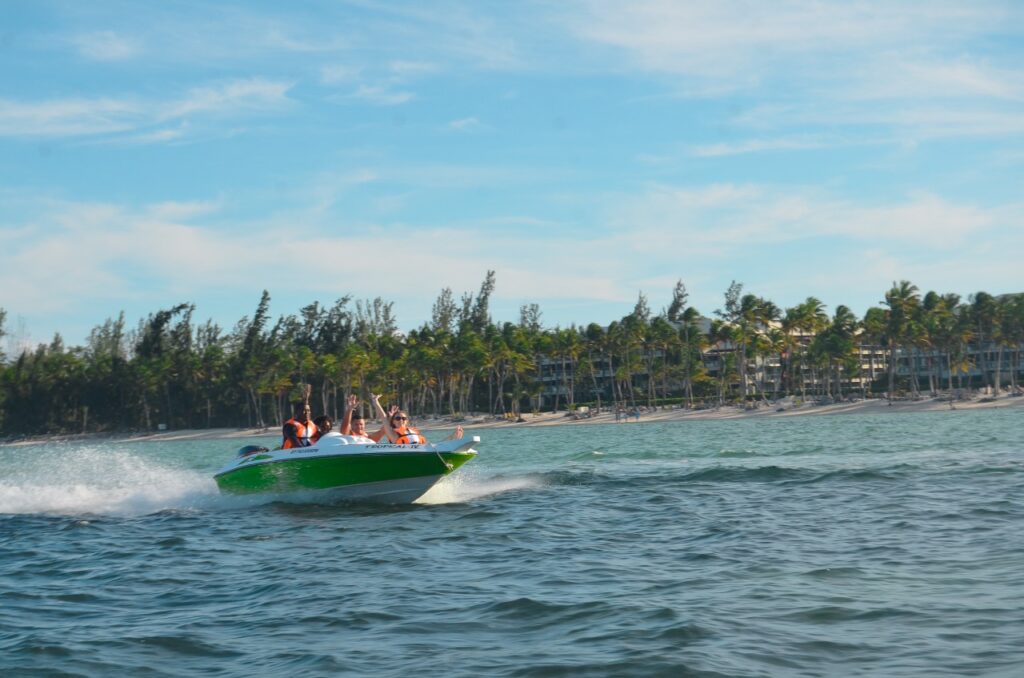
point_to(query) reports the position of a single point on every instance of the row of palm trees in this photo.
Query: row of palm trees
(940, 331)
(927, 337)
(174, 372)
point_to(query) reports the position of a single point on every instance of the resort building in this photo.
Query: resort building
(769, 374)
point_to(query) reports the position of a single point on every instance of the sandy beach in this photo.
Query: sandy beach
(783, 408)
(787, 407)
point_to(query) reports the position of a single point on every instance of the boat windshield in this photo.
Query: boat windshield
(250, 449)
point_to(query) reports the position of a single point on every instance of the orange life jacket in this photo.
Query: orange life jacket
(407, 435)
(304, 432)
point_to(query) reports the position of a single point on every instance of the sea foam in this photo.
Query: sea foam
(75, 481)
(464, 486)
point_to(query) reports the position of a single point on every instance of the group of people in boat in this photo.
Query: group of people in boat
(303, 431)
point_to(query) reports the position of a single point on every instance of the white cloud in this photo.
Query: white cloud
(760, 146)
(106, 46)
(733, 38)
(716, 220)
(132, 116)
(386, 87)
(192, 34)
(381, 95)
(465, 124)
(898, 122)
(938, 79)
(328, 187)
(176, 211)
(68, 117)
(785, 243)
(828, 65)
(155, 137)
(333, 74)
(412, 68)
(271, 35)
(456, 33)
(98, 248)
(233, 97)
(110, 254)
(926, 221)
(31, 292)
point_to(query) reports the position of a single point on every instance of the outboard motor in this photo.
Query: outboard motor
(251, 449)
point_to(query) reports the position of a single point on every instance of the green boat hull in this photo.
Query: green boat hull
(374, 470)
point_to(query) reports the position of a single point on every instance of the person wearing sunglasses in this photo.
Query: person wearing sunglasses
(398, 430)
(396, 425)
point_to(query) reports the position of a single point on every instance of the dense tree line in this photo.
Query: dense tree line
(173, 371)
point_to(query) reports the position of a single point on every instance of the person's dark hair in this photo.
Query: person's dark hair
(323, 422)
(357, 415)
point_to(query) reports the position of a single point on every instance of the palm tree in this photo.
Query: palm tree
(840, 346)
(664, 336)
(901, 299)
(566, 345)
(692, 344)
(720, 336)
(776, 344)
(944, 322)
(519, 362)
(1002, 333)
(791, 324)
(873, 334)
(766, 318)
(594, 343)
(1013, 330)
(749, 316)
(917, 342)
(805, 320)
(986, 312)
(618, 350)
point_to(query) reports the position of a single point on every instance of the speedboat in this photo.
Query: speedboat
(346, 468)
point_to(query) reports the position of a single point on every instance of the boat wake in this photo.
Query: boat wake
(101, 482)
(465, 487)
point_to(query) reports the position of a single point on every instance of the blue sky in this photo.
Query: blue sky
(155, 153)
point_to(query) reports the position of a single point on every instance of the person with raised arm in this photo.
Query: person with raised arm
(398, 430)
(353, 424)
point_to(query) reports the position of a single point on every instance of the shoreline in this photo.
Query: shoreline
(783, 408)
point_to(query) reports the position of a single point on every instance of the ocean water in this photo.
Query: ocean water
(885, 545)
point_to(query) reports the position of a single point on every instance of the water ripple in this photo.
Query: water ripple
(818, 546)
